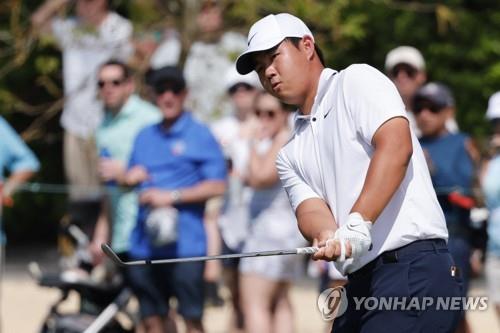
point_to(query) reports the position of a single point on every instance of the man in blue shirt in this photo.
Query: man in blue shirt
(19, 160)
(177, 166)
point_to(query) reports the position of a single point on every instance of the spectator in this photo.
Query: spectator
(491, 187)
(125, 115)
(451, 159)
(265, 282)
(87, 40)
(233, 132)
(178, 166)
(158, 48)
(20, 161)
(208, 58)
(405, 66)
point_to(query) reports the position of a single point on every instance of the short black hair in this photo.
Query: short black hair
(127, 72)
(296, 40)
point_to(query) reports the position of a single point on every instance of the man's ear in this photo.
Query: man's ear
(308, 45)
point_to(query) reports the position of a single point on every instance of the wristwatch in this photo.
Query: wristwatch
(176, 196)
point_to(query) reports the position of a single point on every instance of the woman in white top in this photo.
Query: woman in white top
(265, 281)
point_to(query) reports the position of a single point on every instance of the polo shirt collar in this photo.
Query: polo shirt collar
(129, 106)
(324, 80)
(127, 109)
(180, 124)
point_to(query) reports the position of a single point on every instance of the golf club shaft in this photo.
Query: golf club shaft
(112, 255)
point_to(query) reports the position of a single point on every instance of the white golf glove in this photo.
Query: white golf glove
(357, 232)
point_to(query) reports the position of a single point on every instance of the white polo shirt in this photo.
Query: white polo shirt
(330, 151)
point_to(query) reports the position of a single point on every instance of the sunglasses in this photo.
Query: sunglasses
(410, 71)
(419, 106)
(114, 83)
(265, 113)
(163, 87)
(240, 87)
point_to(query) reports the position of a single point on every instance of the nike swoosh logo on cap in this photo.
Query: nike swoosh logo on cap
(250, 39)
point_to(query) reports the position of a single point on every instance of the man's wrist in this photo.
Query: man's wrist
(359, 216)
(325, 235)
(176, 196)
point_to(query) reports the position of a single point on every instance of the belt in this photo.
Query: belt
(393, 256)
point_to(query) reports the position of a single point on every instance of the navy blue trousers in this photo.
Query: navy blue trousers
(420, 269)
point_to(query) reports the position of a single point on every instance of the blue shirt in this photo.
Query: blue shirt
(178, 158)
(14, 156)
(116, 135)
(14, 153)
(452, 170)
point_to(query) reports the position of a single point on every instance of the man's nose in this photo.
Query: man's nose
(270, 72)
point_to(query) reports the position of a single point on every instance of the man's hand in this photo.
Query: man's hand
(156, 198)
(111, 169)
(352, 240)
(356, 233)
(329, 248)
(136, 175)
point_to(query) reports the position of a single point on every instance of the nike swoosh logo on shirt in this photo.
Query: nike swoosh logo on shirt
(327, 113)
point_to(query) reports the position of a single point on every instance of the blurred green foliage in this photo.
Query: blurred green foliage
(460, 40)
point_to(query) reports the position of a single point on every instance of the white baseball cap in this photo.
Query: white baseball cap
(267, 33)
(404, 54)
(493, 110)
(232, 78)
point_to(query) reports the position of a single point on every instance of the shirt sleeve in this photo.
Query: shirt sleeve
(62, 31)
(117, 35)
(372, 99)
(212, 162)
(134, 157)
(294, 185)
(17, 155)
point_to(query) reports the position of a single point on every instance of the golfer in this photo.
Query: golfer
(357, 179)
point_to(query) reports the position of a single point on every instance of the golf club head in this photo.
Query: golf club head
(111, 254)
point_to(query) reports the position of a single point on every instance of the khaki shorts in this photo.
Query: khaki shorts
(80, 165)
(492, 270)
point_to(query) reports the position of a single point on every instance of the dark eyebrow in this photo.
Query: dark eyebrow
(269, 51)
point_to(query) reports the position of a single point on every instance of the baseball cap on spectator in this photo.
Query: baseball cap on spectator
(267, 33)
(435, 93)
(233, 79)
(404, 55)
(168, 77)
(493, 111)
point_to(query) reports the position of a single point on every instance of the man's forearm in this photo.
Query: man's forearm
(203, 191)
(315, 220)
(386, 171)
(46, 11)
(16, 179)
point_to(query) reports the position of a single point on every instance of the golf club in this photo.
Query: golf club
(112, 255)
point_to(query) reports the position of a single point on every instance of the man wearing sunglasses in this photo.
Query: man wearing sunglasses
(176, 166)
(125, 114)
(357, 179)
(405, 66)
